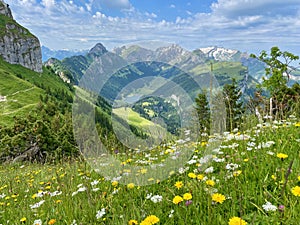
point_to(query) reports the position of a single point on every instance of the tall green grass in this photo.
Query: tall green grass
(247, 169)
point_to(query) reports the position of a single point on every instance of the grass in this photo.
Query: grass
(22, 88)
(247, 169)
(20, 97)
(223, 71)
(47, 78)
(135, 119)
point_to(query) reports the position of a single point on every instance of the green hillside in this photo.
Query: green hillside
(36, 110)
(223, 71)
(136, 119)
(21, 89)
(20, 97)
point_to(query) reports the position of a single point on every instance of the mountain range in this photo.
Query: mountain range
(48, 53)
(226, 64)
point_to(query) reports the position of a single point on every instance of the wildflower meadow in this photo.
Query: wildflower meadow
(253, 177)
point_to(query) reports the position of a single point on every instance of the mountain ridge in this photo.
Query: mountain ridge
(194, 62)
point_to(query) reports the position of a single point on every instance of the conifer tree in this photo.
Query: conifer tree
(234, 107)
(203, 112)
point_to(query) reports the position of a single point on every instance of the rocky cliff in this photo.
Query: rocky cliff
(17, 44)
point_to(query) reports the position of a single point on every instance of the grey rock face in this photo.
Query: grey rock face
(5, 10)
(17, 44)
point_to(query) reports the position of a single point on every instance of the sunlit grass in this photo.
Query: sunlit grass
(251, 177)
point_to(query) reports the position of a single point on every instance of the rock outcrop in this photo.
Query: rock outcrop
(17, 44)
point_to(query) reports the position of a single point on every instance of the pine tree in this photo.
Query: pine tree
(234, 107)
(203, 112)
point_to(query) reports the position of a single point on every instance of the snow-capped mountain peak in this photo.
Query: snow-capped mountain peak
(220, 54)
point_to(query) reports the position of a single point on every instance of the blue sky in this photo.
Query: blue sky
(246, 25)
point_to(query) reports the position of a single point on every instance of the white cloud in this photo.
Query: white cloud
(247, 25)
(151, 15)
(27, 2)
(99, 15)
(48, 3)
(172, 6)
(88, 7)
(189, 12)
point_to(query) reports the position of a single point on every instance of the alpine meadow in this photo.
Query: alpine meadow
(147, 132)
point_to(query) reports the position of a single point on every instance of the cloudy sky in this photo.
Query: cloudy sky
(247, 25)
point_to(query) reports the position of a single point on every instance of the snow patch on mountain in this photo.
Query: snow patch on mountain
(220, 54)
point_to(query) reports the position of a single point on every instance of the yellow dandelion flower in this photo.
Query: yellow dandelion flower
(296, 191)
(130, 185)
(200, 177)
(237, 173)
(178, 184)
(298, 178)
(282, 155)
(22, 220)
(149, 220)
(192, 175)
(219, 198)
(132, 222)
(177, 199)
(114, 183)
(203, 143)
(297, 124)
(187, 196)
(210, 183)
(236, 221)
(52, 221)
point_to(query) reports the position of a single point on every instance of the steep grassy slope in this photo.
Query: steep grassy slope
(21, 89)
(20, 97)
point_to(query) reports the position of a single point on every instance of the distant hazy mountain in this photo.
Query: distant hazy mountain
(47, 53)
